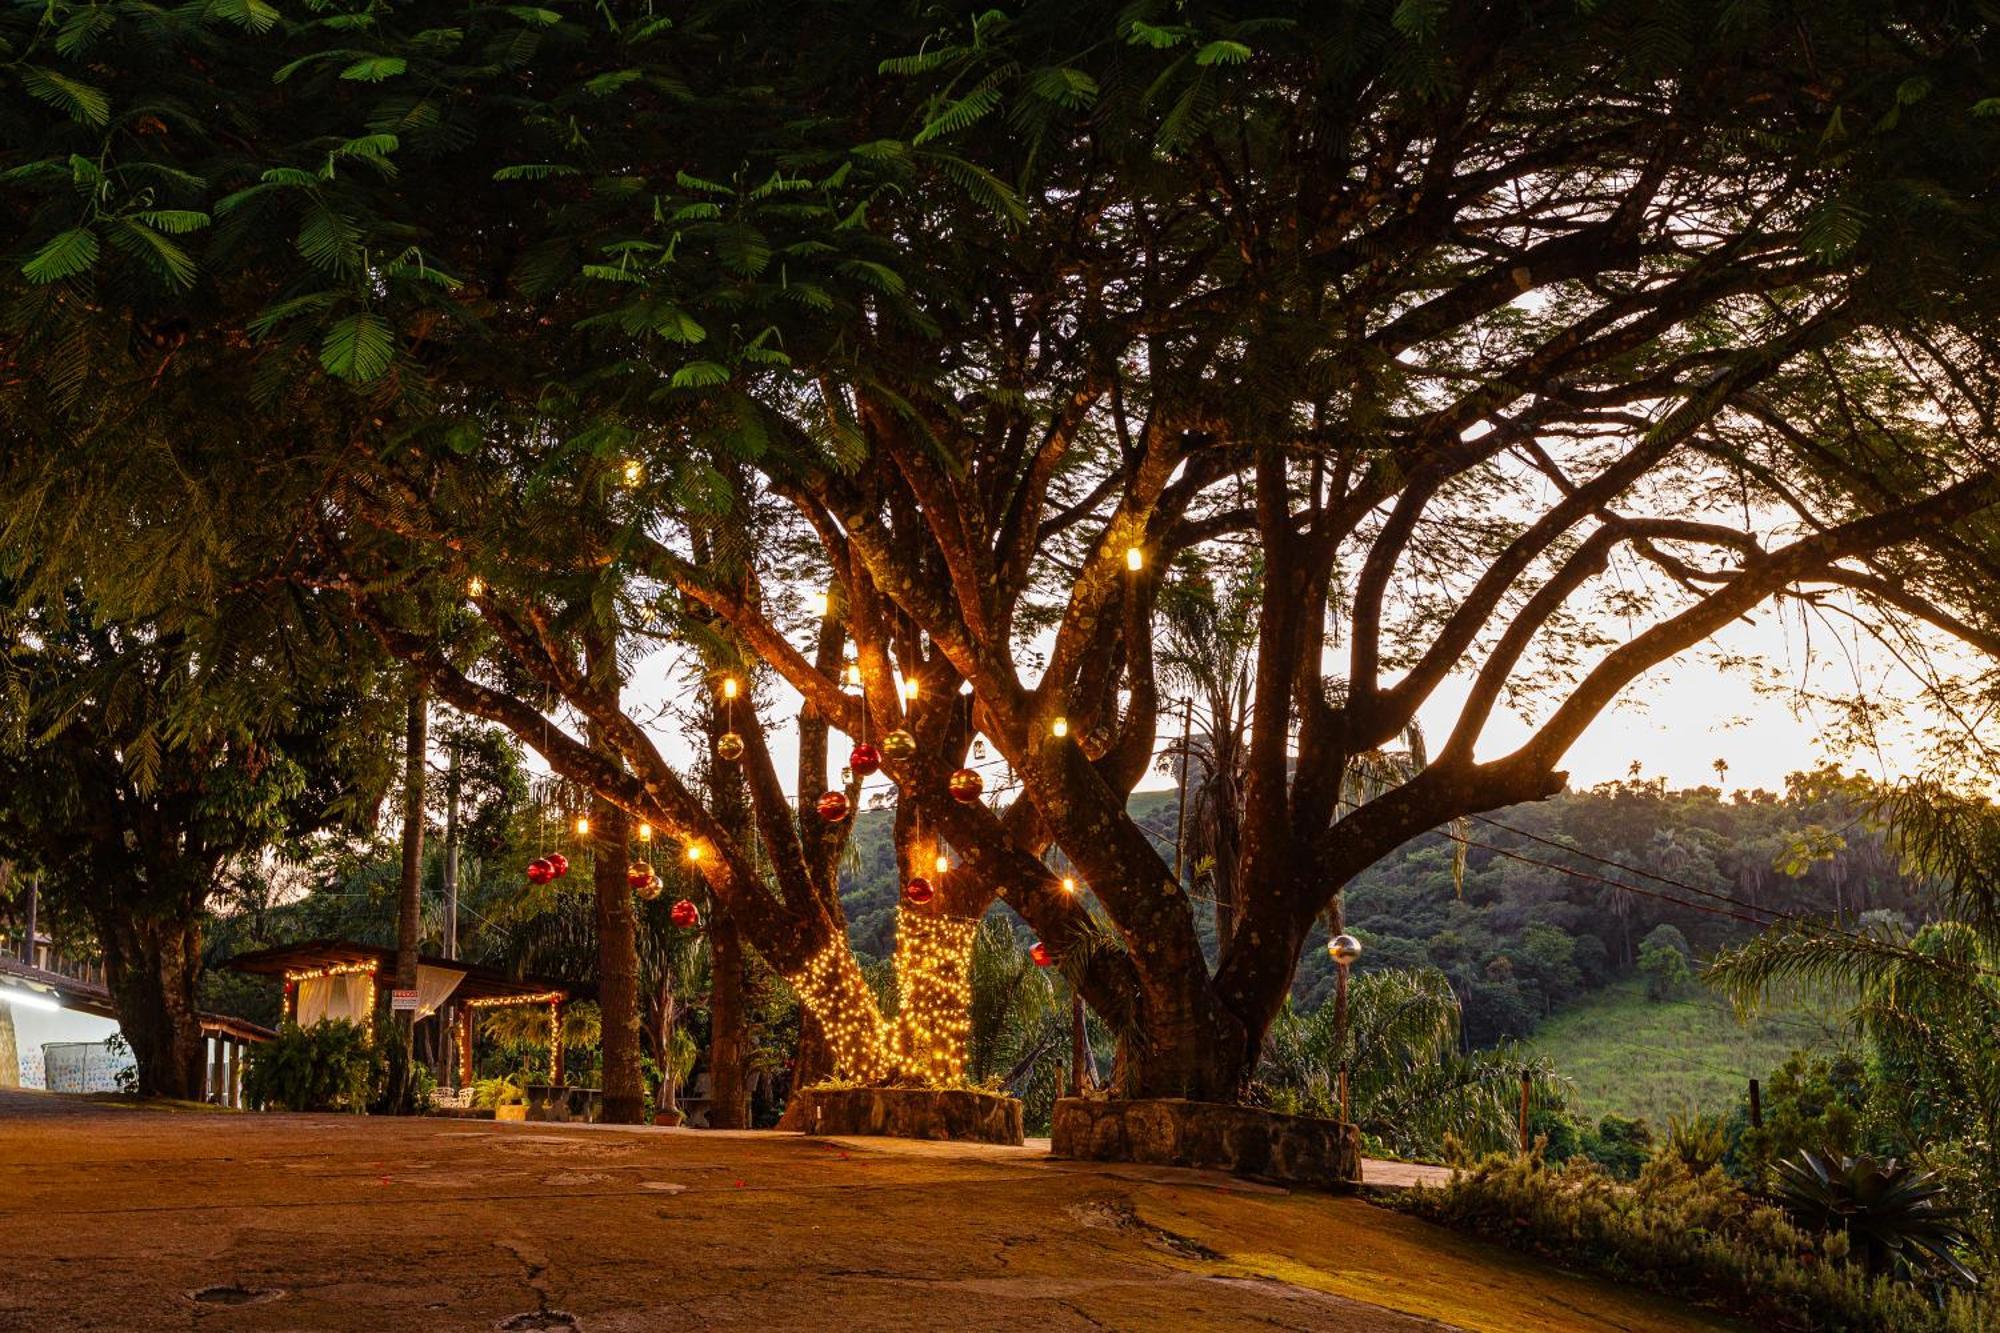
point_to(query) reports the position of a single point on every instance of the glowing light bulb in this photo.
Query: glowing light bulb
(729, 687)
(635, 472)
(645, 832)
(854, 674)
(910, 688)
(1135, 558)
(475, 586)
(583, 826)
(943, 863)
(1059, 728)
(822, 605)
(694, 851)
(1069, 884)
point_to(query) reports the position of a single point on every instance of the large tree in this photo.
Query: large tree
(134, 787)
(1529, 347)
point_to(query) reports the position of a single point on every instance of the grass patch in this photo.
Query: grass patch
(1636, 1057)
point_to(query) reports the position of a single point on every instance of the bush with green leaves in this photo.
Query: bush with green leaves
(1696, 1235)
(331, 1066)
(1411, 1087)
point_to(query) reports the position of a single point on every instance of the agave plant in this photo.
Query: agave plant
(1894, 1215)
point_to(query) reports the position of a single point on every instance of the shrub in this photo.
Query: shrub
(1897, 1215)
(1693, 1234)
(331, 1066)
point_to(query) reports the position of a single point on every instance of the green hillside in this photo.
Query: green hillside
(1636, 1057)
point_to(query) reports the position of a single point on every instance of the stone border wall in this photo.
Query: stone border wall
(911, 1113)
(1291, 1149)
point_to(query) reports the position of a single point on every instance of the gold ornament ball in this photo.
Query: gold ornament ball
(730, 746)
(1343, 949)
(899, 745)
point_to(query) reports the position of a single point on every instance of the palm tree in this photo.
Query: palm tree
(1409, 1084)
(1929, 1002)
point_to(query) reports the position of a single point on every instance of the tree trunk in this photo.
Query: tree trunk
(617, 968)
(400, 1096)
(151, 967)
(813, 1064)
(728, 1106)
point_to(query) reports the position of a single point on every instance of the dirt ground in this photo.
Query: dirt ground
(118, 1218)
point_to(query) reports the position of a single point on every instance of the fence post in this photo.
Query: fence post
(1756, 1106)
(1526, 1083)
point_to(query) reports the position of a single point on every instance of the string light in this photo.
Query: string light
(332, 970)
(645, 832)
(694, 851)
(635, 472)
(549, 997)
(1059, 728)
(1135, 559)
(934, 973)
(832, 987)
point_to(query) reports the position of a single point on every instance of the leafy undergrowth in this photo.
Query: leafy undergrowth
(1693, 1234)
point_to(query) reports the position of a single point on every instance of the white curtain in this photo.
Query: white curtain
(347, 996)
(434, 987)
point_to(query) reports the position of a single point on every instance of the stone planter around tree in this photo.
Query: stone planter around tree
(1242, 1140)
(962, 1114)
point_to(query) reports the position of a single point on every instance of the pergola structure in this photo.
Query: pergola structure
(339, 978)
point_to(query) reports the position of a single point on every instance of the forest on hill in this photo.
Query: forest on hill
(1560, 898)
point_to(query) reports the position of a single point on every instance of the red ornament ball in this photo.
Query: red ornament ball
(639, 876)
(558, 863)
(1040, 953)
(685, 914)
(919, 891)
(540, 871)
(833, 807)
(966, 785)
(865, 759)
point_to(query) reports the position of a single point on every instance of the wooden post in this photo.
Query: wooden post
(236, 1074)
(1756, 1106)
(33, 958)
(1345, 1116)
(1078, 1047)
(555, 1044)
(1526, 1083)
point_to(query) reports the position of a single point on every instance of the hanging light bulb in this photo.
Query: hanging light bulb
(635, 472)
(645, 832)
(1135, 559)
(729, 687)
(854, 675)
(475, 586)
(910, 688)
(694, 851)
(822, 605)
(1069, 885)
(1059, 728)
(943, 862)
(583, 826)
